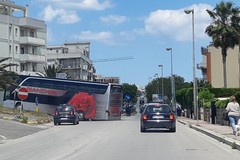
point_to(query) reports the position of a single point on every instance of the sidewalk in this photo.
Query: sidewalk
(222, 133)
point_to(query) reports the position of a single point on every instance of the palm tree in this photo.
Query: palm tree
(7, 77)
(223, 29)
(52, 70)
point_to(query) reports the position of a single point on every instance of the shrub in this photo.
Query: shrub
(24, 119)
(234, 145)
(221, 103)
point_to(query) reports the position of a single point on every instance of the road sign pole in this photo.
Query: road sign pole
(21, 107)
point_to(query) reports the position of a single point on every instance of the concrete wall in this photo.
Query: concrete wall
(232, 66)
(1, 97)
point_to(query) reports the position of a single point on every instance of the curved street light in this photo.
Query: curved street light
(195, 103)
(172, 83)
(162, 82)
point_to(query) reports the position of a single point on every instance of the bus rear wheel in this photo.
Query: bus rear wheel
(81, 116)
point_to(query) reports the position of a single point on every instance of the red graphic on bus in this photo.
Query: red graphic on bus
(84, 102)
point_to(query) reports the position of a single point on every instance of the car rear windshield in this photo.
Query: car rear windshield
(158, 109)
(64, 108)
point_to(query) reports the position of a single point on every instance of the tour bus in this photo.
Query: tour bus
(93, 100)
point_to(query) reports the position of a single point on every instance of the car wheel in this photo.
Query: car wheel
(142, 129)
(173, 129)
(75, 122)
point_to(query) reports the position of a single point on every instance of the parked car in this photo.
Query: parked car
(157, 115)
(66, 113)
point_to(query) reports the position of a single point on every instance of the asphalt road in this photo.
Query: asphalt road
(13, 130)
(115, 140)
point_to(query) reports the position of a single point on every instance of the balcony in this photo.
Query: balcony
(32, 58)
(31, 73)
(32, 41)
(31, 23)
(68, 56)
(204, 50)
(202, 66)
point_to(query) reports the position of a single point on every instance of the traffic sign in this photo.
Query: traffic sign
(22, 93)
(127, 97)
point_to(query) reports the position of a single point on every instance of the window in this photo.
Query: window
(22, 67)
(21, 33)
(10, 48)
(22, 50)
(31, 34)
(10, 29)
(34, 68)
(16, 49)
(33, 51)
(16, 32)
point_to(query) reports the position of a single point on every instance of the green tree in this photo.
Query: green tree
(222, 29)
(131, 90)
(155, 85)
(6, 77)
(52, 70)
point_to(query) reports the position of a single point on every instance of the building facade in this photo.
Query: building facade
(22, 39)
(100, 78)
(74, 58)
(212, 67)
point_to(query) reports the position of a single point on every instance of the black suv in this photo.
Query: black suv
(66, 113)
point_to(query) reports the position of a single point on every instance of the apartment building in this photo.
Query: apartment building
(212, 67)
(74, 57)
(100, 78)
(22, 39)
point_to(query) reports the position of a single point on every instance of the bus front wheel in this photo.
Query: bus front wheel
(18, 105)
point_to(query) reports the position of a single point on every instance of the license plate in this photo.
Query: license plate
(63, 118)
(158, 117)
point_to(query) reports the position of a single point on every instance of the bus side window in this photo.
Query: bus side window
(7, 94)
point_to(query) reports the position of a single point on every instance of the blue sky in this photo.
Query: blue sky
(141, 29)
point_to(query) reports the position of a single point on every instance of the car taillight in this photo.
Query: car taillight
(56, 113)
(144, 117)
(171, 117)
(72, 112)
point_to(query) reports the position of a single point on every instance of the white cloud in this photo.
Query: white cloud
(113, 19)
(50, 35)
(177, 24)
(62, 16)
(105, 37)
(80, 4)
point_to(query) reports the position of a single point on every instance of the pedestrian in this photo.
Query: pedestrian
(233, 111)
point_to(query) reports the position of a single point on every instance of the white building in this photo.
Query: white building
(23, 39)
(74, 58)
(100, 78)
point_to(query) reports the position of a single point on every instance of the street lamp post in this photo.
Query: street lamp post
(172, 83)
(188, 11)
(157, 78)
(162, 82)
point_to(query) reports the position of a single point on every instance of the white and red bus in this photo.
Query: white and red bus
(94, 100)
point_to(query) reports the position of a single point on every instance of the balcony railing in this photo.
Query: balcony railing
(31, 23)
(32, 41)
(201, 66)
(32, 58)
